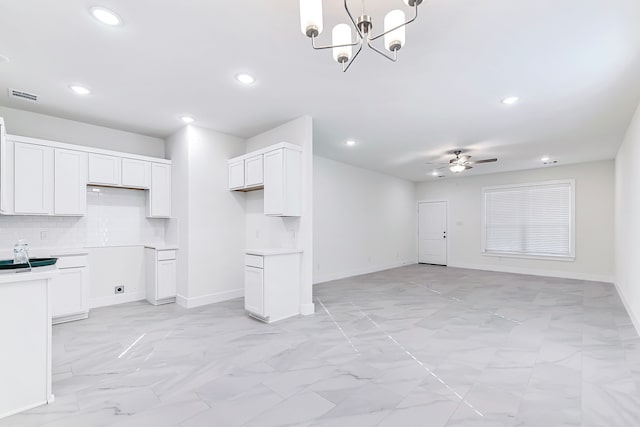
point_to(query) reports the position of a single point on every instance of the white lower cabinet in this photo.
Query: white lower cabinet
(161, 272)
(272, 284)
(70, 289)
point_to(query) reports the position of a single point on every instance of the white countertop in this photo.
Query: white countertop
(38, 273)
(162, 247)
(267, 252)
(46, 252)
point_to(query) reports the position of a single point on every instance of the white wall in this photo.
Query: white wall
(627, 196)
(594, 220)
(210, 218)
(270, 232)
(364, 221)
(24, 123)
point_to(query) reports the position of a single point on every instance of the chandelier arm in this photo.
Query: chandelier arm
(344, 69)
(353, 21)
(313, 44)
(393, 58)
(399, 26)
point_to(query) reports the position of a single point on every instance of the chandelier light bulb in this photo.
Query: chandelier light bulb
(341, 35)
(311, 17)
(457, 168)
(395, 39)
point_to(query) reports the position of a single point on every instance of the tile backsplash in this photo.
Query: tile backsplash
(115, 217)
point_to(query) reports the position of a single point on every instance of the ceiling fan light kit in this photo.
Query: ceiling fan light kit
(311, 24)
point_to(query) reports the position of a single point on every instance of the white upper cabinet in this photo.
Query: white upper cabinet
(40, 177)
(33, 179)
(160, 193)
(277, 169)
(236, 174)
(136, 173)
(70, 182)
(282, 182)
(104, 169)
(253, 171)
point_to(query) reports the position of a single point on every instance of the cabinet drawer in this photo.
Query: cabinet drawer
(165, 255)
(254, 261)
(71, 261)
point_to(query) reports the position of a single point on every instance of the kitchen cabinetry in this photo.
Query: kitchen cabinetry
(159, 200)
(161, 271)
(40, 177)
(253, 172)
(277, 169)
(272, 284)
(33, 179)
(282, 182)
(104, 169)
(70, 289)
(70, 182)
(236, 174)
(136, 173)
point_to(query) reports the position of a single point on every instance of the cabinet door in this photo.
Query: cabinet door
(166, 279)
(253, 171)
(104, 169)
(69, 292)
(254, 290)
(160, 191)
(236, 175)
(33, 182)
(273, 182)
(70, 183)
(136, 173)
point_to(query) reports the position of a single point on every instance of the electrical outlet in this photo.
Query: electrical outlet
(119, 289)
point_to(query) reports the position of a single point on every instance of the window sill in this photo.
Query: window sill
(525, 256)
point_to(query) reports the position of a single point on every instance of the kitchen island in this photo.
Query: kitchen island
(25, 339)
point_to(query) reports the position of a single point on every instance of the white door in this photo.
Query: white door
(160, 191)
(166, 279)
(432, 233)
(70, 195)
(274, 197)
(33, 185)
(136, 173)
(68, 292)
(254, 290)
(104, 169)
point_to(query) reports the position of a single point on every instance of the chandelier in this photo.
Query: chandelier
(342, 41)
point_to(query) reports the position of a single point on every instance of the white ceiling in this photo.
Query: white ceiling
(573, 63)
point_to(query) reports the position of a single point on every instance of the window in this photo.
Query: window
(529, 220)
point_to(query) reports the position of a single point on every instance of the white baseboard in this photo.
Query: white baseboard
(321, 278)
(307, 309)
(536, 272)
(116, 299)
(627, 306)
(209, 298)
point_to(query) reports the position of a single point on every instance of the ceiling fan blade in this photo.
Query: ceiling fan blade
(464, 158)
(475, 162)
(436, 163)
(467, 167)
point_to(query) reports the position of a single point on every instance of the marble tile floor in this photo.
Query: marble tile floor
(414, 346)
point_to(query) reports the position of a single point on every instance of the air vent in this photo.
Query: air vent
(25, 96)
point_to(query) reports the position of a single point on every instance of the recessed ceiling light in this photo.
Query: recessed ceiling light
(187, 119)
(350, 143)
(435, 173)
(545, 159)
(245, 78)
(106, 16)
(80, 90)
(510, 100)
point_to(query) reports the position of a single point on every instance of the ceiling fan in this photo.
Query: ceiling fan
(462, 162)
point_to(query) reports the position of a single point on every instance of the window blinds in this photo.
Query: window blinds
(533, 219)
